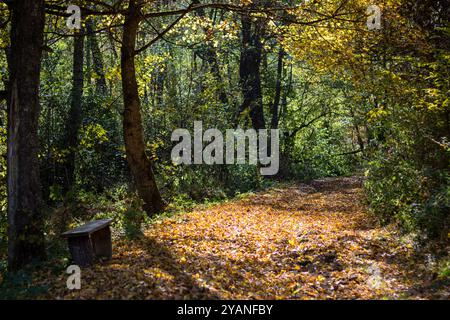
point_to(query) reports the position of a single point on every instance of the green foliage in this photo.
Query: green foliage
(444, 270)
(408, 177)
(393, 188)
(399, 191)
(134, 218)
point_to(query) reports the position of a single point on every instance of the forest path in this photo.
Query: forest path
(298, 242)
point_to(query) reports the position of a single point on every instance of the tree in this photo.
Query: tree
(25, 217)
(74, 119)
(100, 85)
(249, 70)
(275, 106)
(139, 163)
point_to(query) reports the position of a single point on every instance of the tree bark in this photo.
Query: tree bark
(276, 101)
(285, 94)
(25, 217)
(249, 70)
(140, 165)
(75, 114)
(97, 59)
(210, 55)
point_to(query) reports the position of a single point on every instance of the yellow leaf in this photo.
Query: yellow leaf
(320, 278)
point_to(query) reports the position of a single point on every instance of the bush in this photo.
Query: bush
(133, 218)
(397, 191)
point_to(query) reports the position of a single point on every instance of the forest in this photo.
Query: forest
(338, 186)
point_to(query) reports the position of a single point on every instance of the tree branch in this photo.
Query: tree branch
(160, 35)
(307, 124)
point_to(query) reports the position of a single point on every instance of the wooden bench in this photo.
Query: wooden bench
(90, 241)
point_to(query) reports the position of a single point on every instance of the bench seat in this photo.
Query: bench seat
(90, 241)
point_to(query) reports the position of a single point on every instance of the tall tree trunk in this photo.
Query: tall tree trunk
(213, 61)
(25, 218)
(276, 101)
(75, 114)
(159, 87)
(140, 165)
(97, 58)
(249, 70)
(356, 125)
(285, 94)
(210, 55)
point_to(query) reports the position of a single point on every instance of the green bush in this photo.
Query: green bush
(133, 219)
(397, 191)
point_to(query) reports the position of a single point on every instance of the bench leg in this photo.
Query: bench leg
(101, 241)
(81, 250)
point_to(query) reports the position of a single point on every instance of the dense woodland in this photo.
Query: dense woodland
(87, 114)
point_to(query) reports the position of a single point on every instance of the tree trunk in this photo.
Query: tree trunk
(249, 71)
(210, 55)
(25, 218)
(285, 94)
(97, 60)
(276, 101)
(140, 165)
(75, 114)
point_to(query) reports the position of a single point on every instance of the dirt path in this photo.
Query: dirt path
(300, 242)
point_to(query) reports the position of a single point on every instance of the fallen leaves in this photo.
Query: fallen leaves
(300, 242)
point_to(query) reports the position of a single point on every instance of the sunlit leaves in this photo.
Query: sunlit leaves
(298, 242)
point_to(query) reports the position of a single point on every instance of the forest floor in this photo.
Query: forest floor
(300, 241)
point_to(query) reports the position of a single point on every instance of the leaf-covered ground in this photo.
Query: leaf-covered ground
(300, 242)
